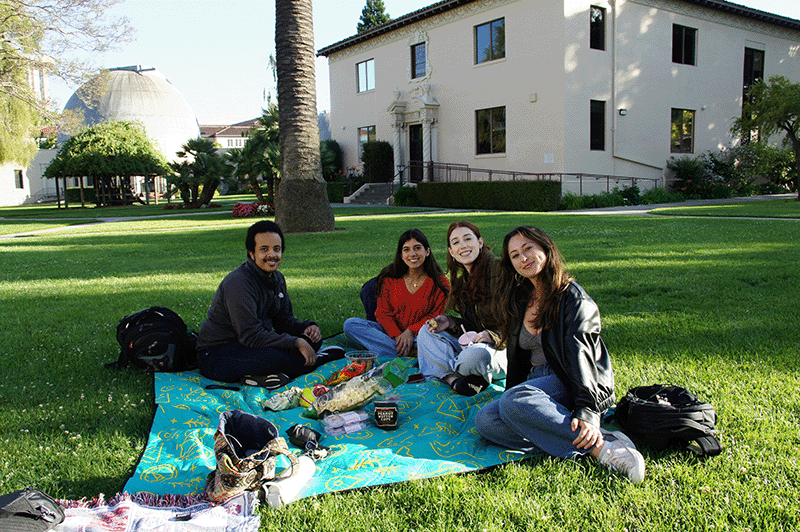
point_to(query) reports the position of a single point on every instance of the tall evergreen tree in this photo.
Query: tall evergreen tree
(373, 14)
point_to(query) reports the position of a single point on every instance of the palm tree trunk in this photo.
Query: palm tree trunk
(301, 202)
(210, 185)
(256, 188)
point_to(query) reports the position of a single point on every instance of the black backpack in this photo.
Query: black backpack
(29, 510)
(156, 339)
(664, 416)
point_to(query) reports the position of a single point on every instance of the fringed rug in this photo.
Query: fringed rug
(142, 512)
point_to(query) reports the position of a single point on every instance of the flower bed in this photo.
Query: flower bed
(245, 210)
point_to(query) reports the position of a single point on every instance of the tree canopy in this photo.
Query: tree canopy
(261, 154)
(373, 14)
(201, 167)
(38, 38)
(110, 149)
(772, 108)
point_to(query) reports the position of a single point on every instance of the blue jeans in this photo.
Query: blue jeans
(440, 355)
(231, 362)
(532, 417)
(371, 335)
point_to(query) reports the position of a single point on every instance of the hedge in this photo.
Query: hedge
(336, 191)
(492, 195)
(378, 158)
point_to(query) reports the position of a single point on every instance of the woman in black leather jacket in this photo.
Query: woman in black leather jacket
(559, 379)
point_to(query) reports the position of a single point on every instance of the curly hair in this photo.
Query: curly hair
(515, 293)
(399, 268)
(467, 287)
(264, 226)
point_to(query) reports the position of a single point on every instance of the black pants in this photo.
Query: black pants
(231, 362)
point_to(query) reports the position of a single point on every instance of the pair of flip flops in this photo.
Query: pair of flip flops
(278, 380)
(268, 382)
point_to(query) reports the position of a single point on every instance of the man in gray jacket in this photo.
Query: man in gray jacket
(251, 334)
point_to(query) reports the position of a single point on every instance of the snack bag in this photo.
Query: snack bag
(348, 372)
(360, 390)
(284, 400)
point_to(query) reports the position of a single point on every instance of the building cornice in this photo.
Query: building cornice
(448, 5)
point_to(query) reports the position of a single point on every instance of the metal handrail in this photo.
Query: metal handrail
(454, 173)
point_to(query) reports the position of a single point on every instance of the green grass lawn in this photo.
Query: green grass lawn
(707, 303)
(778, 208)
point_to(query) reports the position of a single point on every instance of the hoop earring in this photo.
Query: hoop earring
(520, 279)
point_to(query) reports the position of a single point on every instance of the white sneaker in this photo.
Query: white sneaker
(620, 454)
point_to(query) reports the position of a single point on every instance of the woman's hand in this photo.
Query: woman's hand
(404, 342)
(306, 350)
(442, 323)
(313, 333)
(589, 435)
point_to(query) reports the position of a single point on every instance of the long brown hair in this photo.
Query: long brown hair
(515, 293)
(466, 287)
(398, 268)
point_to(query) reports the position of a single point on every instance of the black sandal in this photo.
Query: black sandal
(268, 382)
(469, 385)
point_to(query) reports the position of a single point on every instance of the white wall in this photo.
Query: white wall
(548, 60)
(12, 195)
(532, 66)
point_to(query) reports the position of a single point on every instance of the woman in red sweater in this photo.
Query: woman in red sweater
(411, 290)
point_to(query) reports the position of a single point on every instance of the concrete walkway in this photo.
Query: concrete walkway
(642, 210)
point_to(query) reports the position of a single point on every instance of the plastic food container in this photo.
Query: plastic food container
(362, 357)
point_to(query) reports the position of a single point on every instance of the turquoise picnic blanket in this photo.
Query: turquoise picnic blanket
(436, 436)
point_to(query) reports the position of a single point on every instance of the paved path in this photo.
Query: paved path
(642, 210)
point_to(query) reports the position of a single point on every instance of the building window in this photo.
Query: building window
(753, 73)
(597, 28)
(684, 45)
(490, 41)
(365, 75)
(418, 61)
(365, 134)
(18, 181)
(230, 143)
(490, 127)
(597, 125)
(682, 131)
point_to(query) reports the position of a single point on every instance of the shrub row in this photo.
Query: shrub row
(492, 195)
(617, 198)
(743, 170)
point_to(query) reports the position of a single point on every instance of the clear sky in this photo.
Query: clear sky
(216, 53)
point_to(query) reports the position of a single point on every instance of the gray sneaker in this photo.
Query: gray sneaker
(620, 454)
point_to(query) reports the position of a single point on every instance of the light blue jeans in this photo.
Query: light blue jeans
(371, 335)
(532, 417)
(440, 355)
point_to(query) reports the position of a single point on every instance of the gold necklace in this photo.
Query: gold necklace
(412, 283)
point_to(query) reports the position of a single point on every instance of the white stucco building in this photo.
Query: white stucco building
(611, 87)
